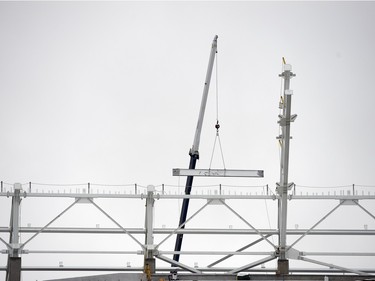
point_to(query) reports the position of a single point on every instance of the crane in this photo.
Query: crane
(194, 151)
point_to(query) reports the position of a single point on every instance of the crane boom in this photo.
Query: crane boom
(194, 151)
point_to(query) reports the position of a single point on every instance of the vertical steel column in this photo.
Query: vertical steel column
(14, 259)
(283, 186)
(149, 260)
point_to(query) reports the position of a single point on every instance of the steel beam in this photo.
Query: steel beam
(218, 173)
(200, 231)
(316, 224)
(333, 266)
(239, 250)
(249, 195)
(251, 265)
(327, 270)
(179, 264)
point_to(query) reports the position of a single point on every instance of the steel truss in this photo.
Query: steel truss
(151, 250)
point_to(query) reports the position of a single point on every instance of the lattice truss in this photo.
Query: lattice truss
(229, 229)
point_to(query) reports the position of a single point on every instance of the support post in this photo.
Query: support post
(283, 186)
(149, 260)
(14, 260)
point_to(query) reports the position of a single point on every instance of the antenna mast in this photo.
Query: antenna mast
(283, 186)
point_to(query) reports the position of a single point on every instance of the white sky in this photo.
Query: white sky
(109, 92)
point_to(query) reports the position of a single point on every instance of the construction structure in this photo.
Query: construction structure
(151, 243)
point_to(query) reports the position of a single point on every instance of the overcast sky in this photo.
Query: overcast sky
(109, 92)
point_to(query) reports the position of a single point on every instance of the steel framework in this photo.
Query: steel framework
(149, 249)
(252, 256)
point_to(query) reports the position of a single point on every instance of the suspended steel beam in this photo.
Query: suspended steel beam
(201, 196)
(218, 173)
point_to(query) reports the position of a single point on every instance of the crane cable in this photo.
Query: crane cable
(217, 125)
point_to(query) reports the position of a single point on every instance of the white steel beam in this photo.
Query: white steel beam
(116, 223)
(214, 231)
(316, 224)
(211, 253)
(333, 266)
(246, 222)
(48, 224)
(239, 250)
(364, 209)
(181, 225)
(179, 264)
(367, 271)
(218, 173)
(251, 265)
(338, 254)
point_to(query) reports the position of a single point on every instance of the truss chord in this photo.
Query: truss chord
(316, 224)
(357, 254)
(79, 252)
(48, 224)
(205, 253)
(183, 224)
(337, 186)
(246, 222)
(115, 222)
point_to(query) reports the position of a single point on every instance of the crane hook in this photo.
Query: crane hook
(217, 126)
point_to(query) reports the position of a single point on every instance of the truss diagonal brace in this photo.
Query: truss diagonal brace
(48, 224)
(364, 209)
(245, 221)
(115, 222)
(181, 225)
(316, 224)
(6, 244)
(176, 263)
(332, 266)
(253, 264)
(239, 250)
